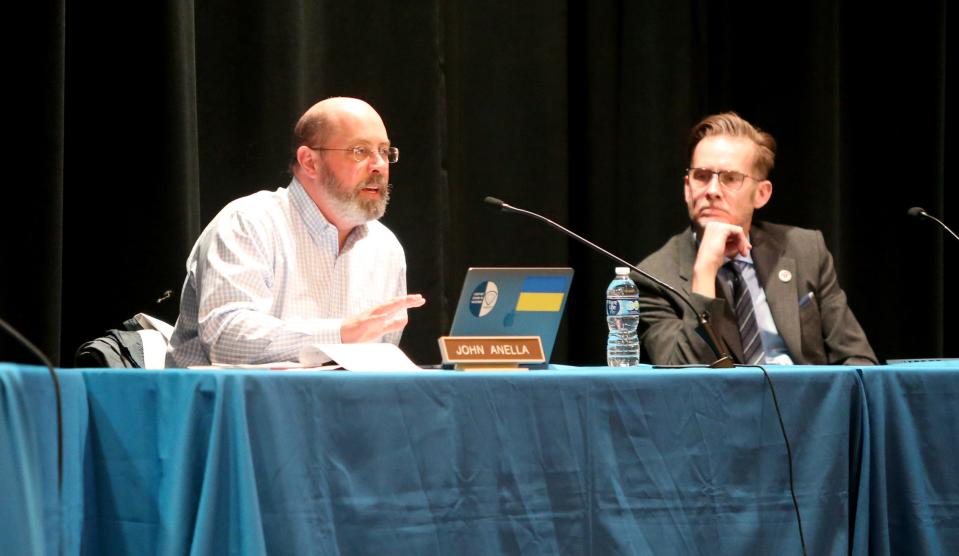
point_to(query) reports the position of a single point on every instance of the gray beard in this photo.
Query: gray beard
(347, 203)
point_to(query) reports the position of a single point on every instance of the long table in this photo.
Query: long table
(569, 461)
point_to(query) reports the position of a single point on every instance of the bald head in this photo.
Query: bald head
(322, 121)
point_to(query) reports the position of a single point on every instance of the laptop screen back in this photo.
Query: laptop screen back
(513, 302)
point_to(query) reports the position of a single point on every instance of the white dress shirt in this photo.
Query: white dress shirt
(267, 277)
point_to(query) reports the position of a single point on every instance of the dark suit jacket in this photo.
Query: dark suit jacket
(790, 263)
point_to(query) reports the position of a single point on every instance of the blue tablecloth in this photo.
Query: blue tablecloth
(914, 424)
(35, 518)
(574, 461)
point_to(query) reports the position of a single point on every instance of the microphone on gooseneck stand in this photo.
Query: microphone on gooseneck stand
(919, 212)
(723, 361)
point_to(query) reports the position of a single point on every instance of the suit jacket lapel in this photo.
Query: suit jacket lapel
(686, 256)
(777, 275)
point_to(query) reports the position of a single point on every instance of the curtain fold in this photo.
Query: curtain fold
(31, 217)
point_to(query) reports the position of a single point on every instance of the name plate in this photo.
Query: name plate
(491, 352)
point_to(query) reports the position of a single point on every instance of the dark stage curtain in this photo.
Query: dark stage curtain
(133, 124)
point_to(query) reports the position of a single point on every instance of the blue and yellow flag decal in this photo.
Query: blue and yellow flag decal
(542, 293)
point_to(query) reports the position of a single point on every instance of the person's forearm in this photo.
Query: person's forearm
(249, 337)
(670, 333)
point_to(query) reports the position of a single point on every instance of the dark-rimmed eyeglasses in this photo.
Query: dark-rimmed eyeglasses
(731, 180)
(360, 153)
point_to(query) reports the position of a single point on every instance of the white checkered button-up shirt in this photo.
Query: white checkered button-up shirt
(267, 277)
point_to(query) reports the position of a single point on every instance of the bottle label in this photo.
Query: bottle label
(622, 307)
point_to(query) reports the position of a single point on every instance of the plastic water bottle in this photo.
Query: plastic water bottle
(622, 317)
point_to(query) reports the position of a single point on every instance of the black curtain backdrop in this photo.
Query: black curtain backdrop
(133, 124)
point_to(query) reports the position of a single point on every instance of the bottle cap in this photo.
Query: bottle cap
(622, 270)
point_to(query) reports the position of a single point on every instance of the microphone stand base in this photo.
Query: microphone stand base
(723, 363)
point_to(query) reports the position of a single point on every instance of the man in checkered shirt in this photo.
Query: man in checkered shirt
(308, 263)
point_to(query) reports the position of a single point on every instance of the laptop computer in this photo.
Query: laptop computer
(513, 302)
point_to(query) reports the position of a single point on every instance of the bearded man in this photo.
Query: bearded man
(308, 263)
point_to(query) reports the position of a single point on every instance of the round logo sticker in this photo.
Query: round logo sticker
(483, 298)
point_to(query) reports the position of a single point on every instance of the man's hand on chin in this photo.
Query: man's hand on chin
(718, 241)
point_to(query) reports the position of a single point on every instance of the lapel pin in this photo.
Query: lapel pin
(785, 275)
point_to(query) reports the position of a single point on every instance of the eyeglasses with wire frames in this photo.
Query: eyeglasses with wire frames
(730, 180)
(361, 153)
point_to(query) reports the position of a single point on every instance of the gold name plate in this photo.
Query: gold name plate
(491, 353)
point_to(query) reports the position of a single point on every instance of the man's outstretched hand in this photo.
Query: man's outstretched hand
(377, 321)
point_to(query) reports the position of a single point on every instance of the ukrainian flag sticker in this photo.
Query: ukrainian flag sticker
(542, 293)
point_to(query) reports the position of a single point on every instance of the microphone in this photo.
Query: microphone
(919, 212)
(723, 361)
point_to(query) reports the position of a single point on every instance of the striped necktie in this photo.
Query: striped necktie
(753, 352)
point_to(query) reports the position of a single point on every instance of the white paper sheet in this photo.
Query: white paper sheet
(359, 357)
(278, 366)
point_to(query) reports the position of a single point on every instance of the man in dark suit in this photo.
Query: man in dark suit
(771, 290)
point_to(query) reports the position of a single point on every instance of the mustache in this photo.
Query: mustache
(375, 181)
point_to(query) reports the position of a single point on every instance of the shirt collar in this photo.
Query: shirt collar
(317, 224)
